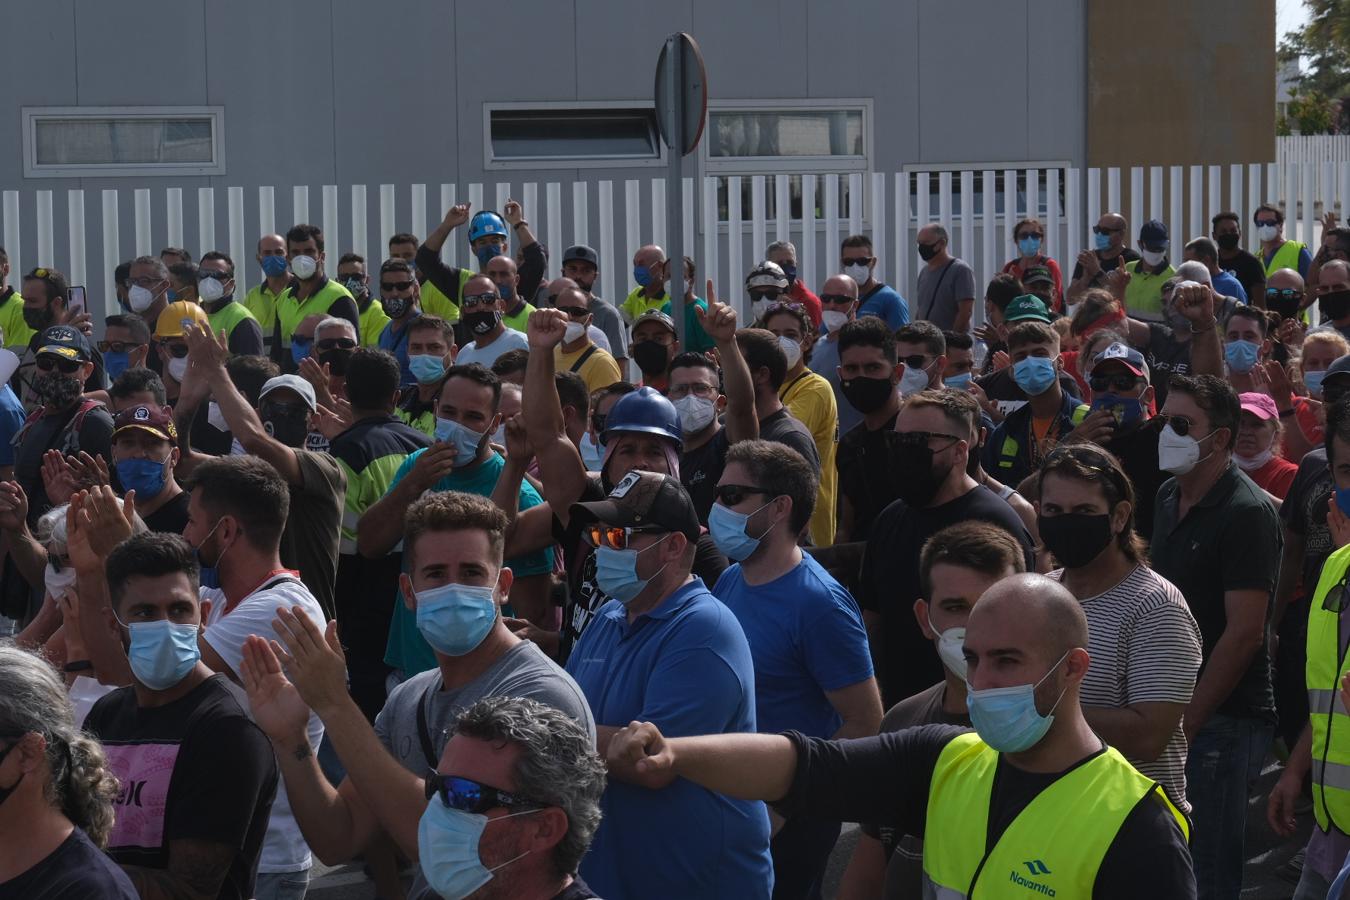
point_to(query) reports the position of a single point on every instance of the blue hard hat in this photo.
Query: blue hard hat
(644, 410)
(486, 223)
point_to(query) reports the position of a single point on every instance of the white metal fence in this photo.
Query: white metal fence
(87, 233)
(1313, 148)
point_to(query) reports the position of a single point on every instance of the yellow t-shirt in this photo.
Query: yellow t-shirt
(1144, 292)
(598, 371)
(810, 400)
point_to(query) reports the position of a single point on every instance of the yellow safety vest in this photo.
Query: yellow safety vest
(292, 311)
(373, 321)
(1285, 258)
(1007, 454)
(1327, 714)
(263, 304)
(1053, 847)
(228, 317)
(437, 304)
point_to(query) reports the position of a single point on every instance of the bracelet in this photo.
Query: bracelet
(1210, 326)
(520, 223)
(1286, 413)
(78, 665)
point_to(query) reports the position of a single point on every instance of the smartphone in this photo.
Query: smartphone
(77, 303)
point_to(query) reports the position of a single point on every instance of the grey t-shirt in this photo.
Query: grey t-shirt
(941, 289)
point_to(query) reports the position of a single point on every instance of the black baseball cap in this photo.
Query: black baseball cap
(643, 500)
(583, 253)
(65, 341)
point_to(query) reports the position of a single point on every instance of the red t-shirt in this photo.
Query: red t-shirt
(800, 293)
(1275, 476)
(1306, 417)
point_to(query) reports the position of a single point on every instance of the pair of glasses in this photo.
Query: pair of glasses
(337, 344)
(781, 307)
(837, 299)
(921, 438)
(574, 312)
(1182, 426)
(615, 537)
(1104, 383)
(1283, 294)
(1097, 229)
(67, 366)
(858, 261)
(1264, 222)
(698, 389)
(917, 361)
(469, 301)
(117, 346)
(733, 494)
(283, 410)
(1337, 598)
(390, 287)
(470, 796)
(222, 277)
(177, 351)
(1023, 237)
(770, 295)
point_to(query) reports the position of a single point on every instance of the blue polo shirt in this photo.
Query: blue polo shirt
(1229, 286)
(886, 304)
(11, 423)
(397, 344)
(806, 637)
(686, 667)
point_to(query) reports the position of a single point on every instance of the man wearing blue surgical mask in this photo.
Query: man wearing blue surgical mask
(506, 275)
(455, 585)
(198, 776)
(1246, 348)
(1043, 829)
(144, 454)
(125, 344)
(649, 272)
(1107, 253)
(1021, 441)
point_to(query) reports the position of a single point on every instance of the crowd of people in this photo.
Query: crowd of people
(510, 591)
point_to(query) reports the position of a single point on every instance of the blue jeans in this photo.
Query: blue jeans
(1224, 761)
(281, 885)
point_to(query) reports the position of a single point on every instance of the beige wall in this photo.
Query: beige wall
(1180, 82)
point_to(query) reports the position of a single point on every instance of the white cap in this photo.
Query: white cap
(294, 383)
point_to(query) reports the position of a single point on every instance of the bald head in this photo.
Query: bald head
(479, 284)
(1031, 612)
(649, 255)
(1113, 220)
(840, 284)
(1288, 279)
(558, 285)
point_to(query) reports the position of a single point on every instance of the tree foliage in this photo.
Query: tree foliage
(1324, 44)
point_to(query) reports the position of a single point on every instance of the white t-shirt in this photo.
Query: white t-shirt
(510, 339)
(284, 848)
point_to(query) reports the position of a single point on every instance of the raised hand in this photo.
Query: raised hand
(512, 213)
(109, 522)
(1090, 263)
(1096, 428)
(208, 351)
(318, 375)
(274, 703)
(13, 506)
(314, 660)
(1001, 360)
(89, 471)
(432, 465)
(545, 328)
(58, 478)
(332, 421)
(1195, 302)
(518, 444)
(1117, 280)
(79, 550)
(458, 214)
(640, 754)
(719, 321)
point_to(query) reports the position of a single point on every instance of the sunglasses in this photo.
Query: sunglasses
(117, 346)
(770, 295)
(337, 344)
(837, 299)
(67, 366)
(1097, 229)
(917, 361)
(1029, 234)
(470, 796)
(222, 277)
(1103, 383)
(784, 306)
(858, 261)
(1182, 427)
(390, 286)
(1283, 294)
(1260, 223)
(733, 494)
(283, 410)
(615, 537)
(469, 301)
(921, 438)
(178, 351)
(575, 312)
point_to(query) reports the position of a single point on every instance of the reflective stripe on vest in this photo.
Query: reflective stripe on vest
(1007, 454)
(1053, 847)
(1327, 714)
(1285, 258)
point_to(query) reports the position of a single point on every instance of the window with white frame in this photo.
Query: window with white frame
(789, 140)
(569, 135)
(70, 141)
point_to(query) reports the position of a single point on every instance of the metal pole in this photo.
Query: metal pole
(675, 183)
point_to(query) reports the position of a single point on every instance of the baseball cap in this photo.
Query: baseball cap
(294, 383)
(643, 500)
(65, 341)
(1037, 275)
(1153, 232)
(173, 321)
(1259, 405)
(157, 420)
(655, 315)
(1027, 308)
(1338, 369)
(581, 253)
(1127, 356)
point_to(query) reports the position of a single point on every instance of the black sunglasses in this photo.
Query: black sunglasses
(177, 351)
(67, 366)
(470, 796)
(917, 361)
(837, 299)
(920, 438)
(1261, 222)
(1123, 382)
(575, 312)
(770, 295)
(858, 261)
(117, 346)
(222, 277)
(1180, 426)
(390, 286)
(733, 494)
(1283, 294)
(337, 344)
(1097, 229)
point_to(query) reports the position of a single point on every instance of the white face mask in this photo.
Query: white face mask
(859, 273)
(757, 308)
(1252, 463)
(833, 320)
(215, 418)
(58, 583)
(1152, 257)
(792, 349)
(304, 267)
(140, 298)
(1176, 453)
(178, 368)
(949, 648)
(210, 290)
(1268, 232)
(695, 413)
(574, 332)
(913, 381)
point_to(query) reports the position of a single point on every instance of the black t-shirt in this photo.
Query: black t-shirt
(1230, 541)
(887, 779)
(1249, 272)
(58, 433)
(782, 428)
(1304, 512)
(889, 581)
(1108, 265)
(195, 768)
(701, 469)
(584, 597)
(1137, 450)
(1166, 357)
(865, 474)
(76, 870)
(172, 517)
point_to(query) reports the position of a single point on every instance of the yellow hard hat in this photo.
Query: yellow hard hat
(173, 321)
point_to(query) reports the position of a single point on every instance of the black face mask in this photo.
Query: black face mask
(57, 391)
(915, 478)
(1228, 241)
(396, 307)
(650, 357)
(867, 394)
(336, 360)
(481, 322)
(1287, 308)
(927, 251)
(38, 319)
(1076, 539)
(1334, 304)
(286, 425)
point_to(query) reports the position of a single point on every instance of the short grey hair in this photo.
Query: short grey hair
(335, 322)
(558, 766)
(161, 270)
(1193, 270)
(785, 246)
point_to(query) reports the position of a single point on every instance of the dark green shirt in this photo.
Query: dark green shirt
(1230, 541)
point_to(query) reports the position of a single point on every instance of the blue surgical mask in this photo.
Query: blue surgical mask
(616, 572)
(144, 476)
(958, 382)
(426, 367)
(1343, 500)
(171, 295)
(506, 291)
(642, 275)
(1102, 241)
(486, 253)
(729, 534)
(466, 440)
(592, 454)
(162, 653)
(1006, 718)
(300, 347)
(115, 363)
(447, 849)
(1034, 375)
(1029, 246)
(455, 618)
(1311, 380)
(1241, 356)
(274, 266)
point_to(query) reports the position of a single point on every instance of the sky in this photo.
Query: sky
(1289, 15)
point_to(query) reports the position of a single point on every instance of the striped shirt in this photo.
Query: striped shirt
(1145, 648)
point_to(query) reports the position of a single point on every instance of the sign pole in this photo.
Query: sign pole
(675, 185)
